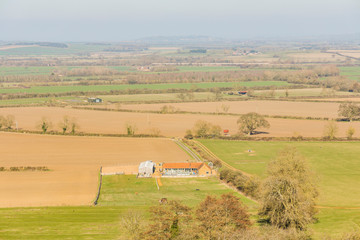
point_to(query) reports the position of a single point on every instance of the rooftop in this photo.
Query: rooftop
(182, 165)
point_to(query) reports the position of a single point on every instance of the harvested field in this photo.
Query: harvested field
(74, 163)
(172, 125)
(282, 108)
(352, 99)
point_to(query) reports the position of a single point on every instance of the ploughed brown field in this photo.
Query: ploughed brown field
(282, 108)
(171, 125)
(74, 164)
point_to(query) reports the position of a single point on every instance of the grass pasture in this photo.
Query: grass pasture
(94, 88)
(127, 190)
(336, 165)
(118, 196)
(352, 73)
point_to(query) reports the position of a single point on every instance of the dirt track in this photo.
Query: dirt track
(74, 164)
(172, 125)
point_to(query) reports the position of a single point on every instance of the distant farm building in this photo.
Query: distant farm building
(146, 169)
(94, 100)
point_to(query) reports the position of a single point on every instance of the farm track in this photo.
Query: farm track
(205, 149)
(188, 150)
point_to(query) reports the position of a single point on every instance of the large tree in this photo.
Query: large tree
(220, 216)
(249, 122)
(168, 220)
(289, 191)
(349, 110)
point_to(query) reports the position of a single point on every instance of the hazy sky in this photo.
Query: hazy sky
(117, 20)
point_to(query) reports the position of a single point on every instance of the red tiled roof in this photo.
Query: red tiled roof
(183, 165)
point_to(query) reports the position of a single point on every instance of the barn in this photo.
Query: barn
(146, 169)
(185, 169)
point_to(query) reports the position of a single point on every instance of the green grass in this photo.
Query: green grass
(352, 73)
(336, 165)
(47, 70)
(306, 92)
(119, 195)
(93, 88)
(60, 223)
(134, 192)
(336, 222)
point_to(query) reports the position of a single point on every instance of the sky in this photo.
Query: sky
(119, 20)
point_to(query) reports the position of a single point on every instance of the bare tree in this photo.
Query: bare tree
(350, 132)
(130, 128)
(221, 216)
(74, 126)
(349, 110)
(249, 122)
(331, 130)
(133, 224)
(289, 191)
(8, 121)
(44, 124)
(65, 124)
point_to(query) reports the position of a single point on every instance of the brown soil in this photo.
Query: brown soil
(283, 108)
(74, 164)
(172, 125)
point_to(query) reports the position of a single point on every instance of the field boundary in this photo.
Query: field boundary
(206, 150)
(187, 150)
(99, 189)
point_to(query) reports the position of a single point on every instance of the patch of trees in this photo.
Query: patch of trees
(349, 111)
(214, 218)
(7, 122)
(198, 50)
(44, 44)
(247, 184)
(204, 129)
(66, 125)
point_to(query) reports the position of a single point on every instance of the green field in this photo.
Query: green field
(352, 73)
(47, 70)
(94, 88)
(336, 165)
(74, 48)
(119, 195)
(305, 92)
(134, 192)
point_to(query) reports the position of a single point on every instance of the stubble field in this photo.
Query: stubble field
(74, 164)
(170, 125)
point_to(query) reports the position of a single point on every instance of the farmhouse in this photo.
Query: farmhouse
(94, 100)
(185, 169)
(150, 169)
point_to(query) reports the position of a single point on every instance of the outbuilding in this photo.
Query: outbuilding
(146, 169)
(94, 100)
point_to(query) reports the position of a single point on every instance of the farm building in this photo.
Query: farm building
(146, 169)
(94, 100)
(184, 169)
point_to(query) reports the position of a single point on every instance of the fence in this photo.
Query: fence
(100, 183)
